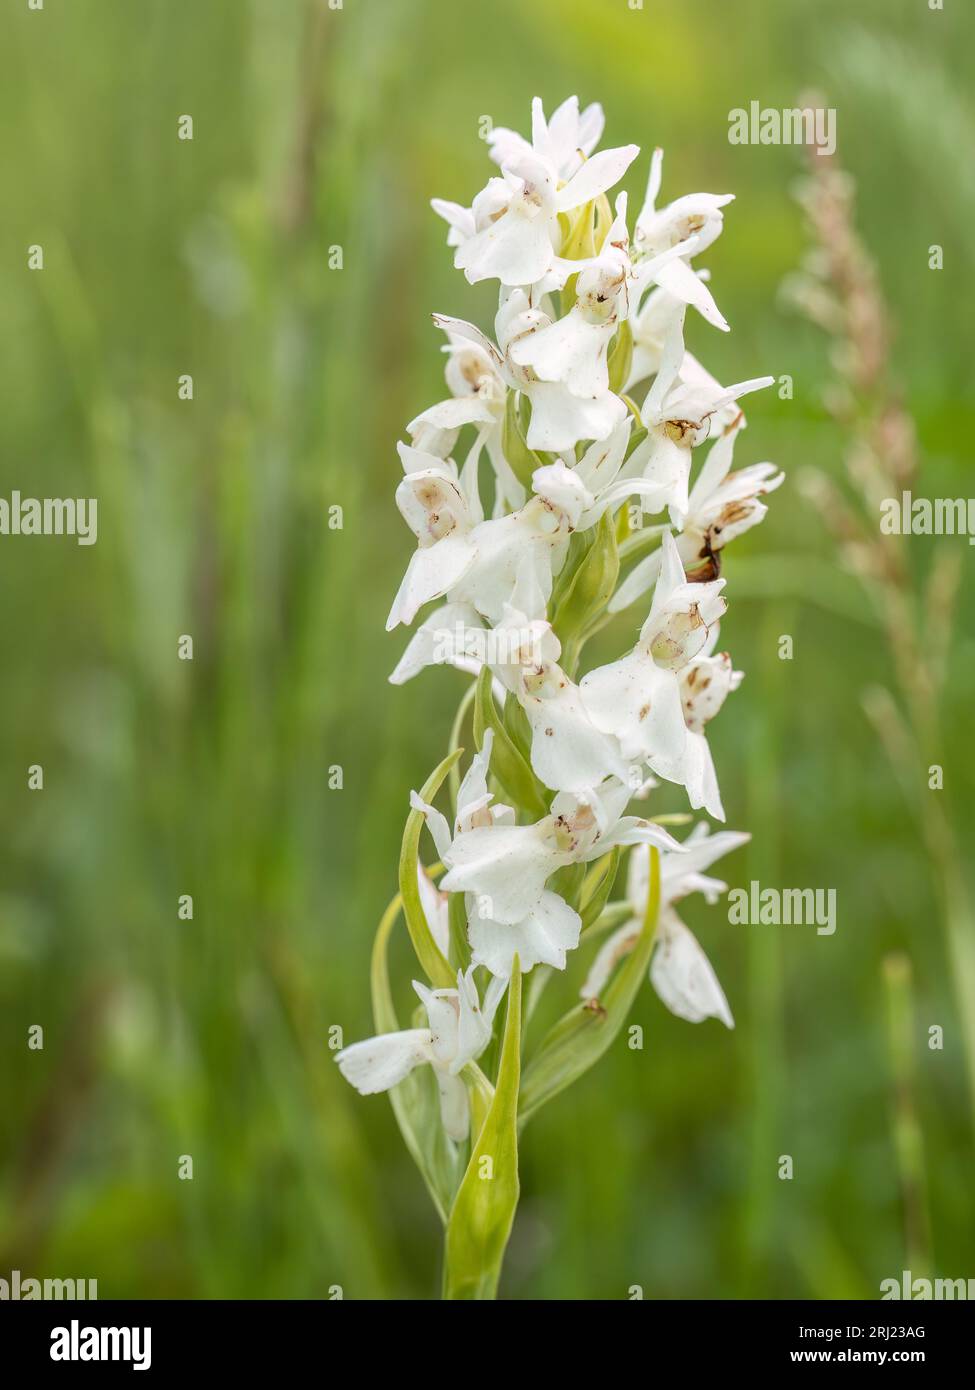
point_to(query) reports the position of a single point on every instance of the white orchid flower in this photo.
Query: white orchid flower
(559, 418)
(474, 805)
(546, 407)
(466, 559)
(487, 565)
(477, 562)
(675, 746)
(509, 865)
(459, 1030)
(721, 506)
(638, 698)
(512, 233)
(543, 936)
(583, 492)
(680, 971)
(574, 834)
(532, 539)
(565, 140)
(441, 508)
(568, 753)
(503, 868)
(695, 221)
(683, 976)
(696, 405)
(456, 635)
(519, 553)
(547, 926)
(705, 684)
(651, 325)
(573, 351)
(453, 635)
(478, 395)
(682, 407)
(696, 215)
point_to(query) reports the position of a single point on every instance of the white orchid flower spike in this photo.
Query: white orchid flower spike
(552, 483)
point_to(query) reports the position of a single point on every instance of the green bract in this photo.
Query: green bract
(484, 1208)
(428, 953)
(523, 460)
(510, 766)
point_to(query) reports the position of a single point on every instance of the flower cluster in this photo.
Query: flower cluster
(554, 487)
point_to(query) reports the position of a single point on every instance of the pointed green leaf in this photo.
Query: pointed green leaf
(484, 1208)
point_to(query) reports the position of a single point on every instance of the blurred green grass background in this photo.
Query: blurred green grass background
(316, 128)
